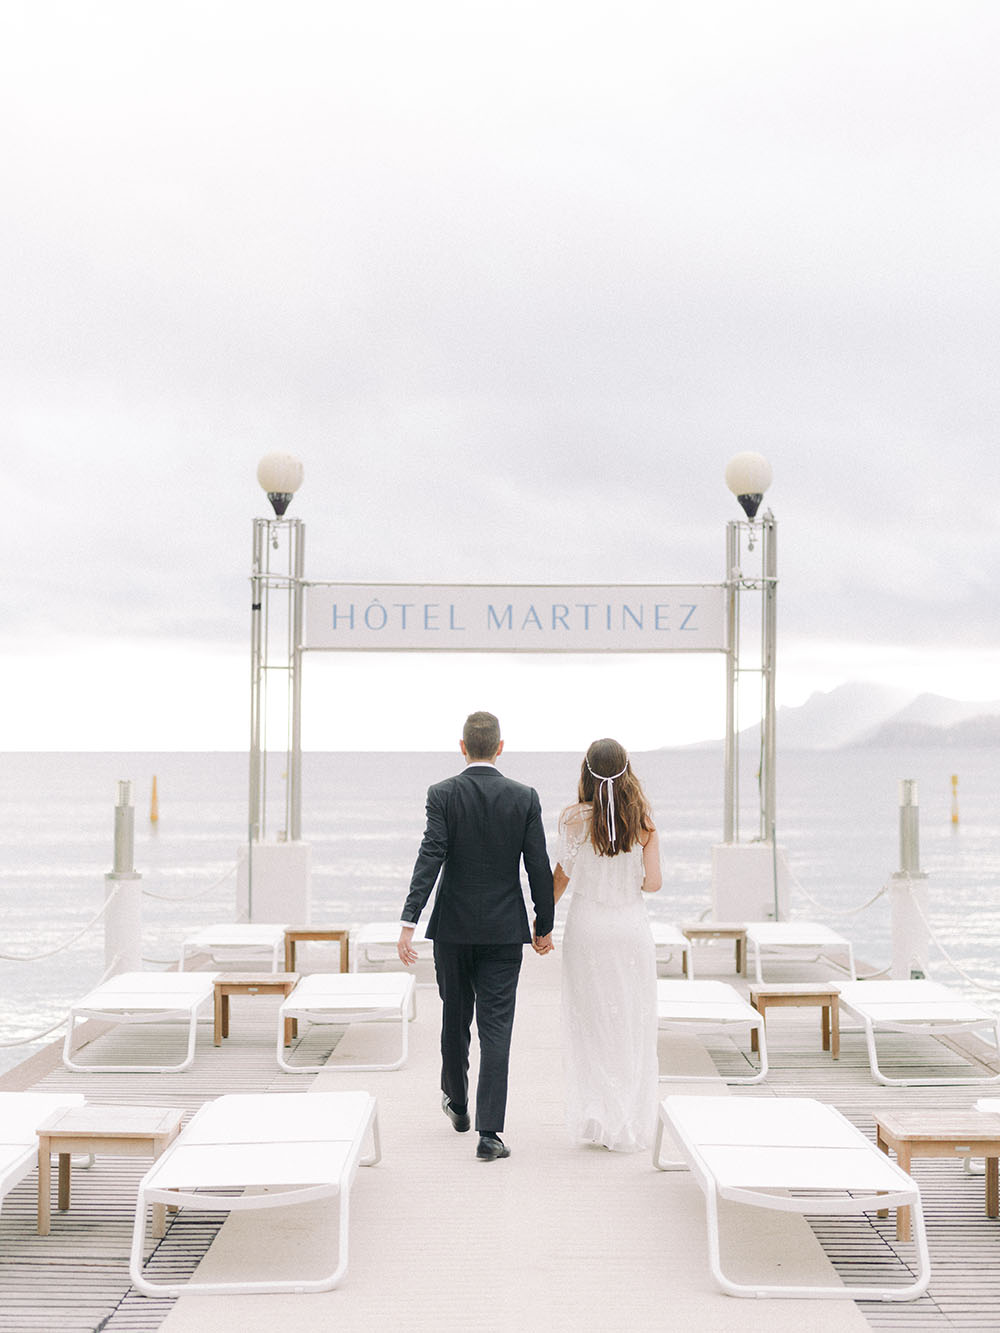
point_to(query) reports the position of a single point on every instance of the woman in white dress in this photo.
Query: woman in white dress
(609, 856)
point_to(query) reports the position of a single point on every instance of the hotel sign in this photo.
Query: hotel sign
(568, 618)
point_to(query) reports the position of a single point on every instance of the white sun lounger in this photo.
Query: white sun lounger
(20, 1115)
(261, 1150)
(795, 938)
(791, 1154)
(922, 1008)
(143, 997)
(344, 998)
(704, 1007)
(375, 943)
(238, 942)
(670, 940)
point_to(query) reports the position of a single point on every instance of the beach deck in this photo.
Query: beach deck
(560, 1236)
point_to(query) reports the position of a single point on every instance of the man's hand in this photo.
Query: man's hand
(542, 944)
(404, 946)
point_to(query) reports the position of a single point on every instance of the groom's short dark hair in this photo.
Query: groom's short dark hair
(481, 735)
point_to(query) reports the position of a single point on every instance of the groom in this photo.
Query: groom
(480, 825)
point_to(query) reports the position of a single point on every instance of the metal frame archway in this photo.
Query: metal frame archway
(278, 599)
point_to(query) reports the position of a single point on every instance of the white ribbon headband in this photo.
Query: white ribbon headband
(610, 784)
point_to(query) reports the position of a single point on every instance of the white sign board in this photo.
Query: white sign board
(620, 618)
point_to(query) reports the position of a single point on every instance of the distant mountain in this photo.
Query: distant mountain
(858, 714)
(980, 726)
(842, 717)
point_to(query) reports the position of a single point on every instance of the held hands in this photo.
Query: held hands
(404, 946)
(542, 944)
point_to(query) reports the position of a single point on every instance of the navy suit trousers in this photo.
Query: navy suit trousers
(477, 980)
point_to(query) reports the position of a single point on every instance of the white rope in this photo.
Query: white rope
(870, 976)
(833, 911)
(189, 897)
(35, 957)
(979, 985)
(26, 1041)
(848, 911)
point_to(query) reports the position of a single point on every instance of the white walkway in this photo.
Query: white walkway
(558, 1237)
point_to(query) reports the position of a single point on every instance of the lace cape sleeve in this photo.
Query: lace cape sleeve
(574, 830)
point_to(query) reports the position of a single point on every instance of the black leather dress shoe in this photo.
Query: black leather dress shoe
(491, 1147)
(461, 1120)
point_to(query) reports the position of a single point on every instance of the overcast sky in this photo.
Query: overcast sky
(514, 281)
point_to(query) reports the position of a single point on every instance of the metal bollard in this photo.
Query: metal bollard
(910, 936)
(123, 917)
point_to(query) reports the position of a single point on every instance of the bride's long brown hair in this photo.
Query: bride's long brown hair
(606, 759)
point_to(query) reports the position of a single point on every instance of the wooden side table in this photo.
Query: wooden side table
(121, 1131)
(295, 933)
(797, 996)
(941, 1134)
(250, 983)
(721, 930)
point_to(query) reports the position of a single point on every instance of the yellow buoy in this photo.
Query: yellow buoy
(954, 798)
(154, 805)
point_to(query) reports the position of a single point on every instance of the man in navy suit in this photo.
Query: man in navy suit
(480, 825)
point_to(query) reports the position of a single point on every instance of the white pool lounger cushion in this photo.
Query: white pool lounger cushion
(143, 997)
(670, 940)
(708, 1007)
(795, 939)
(916, 1008)
(345, 998)
(790, 1154)
(291, 1147)
(237, 942)
(375, 943)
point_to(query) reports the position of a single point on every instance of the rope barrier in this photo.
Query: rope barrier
(26, 1041)
(189, 897)
(36, 957)
(870, 976)
(979, 985)
(163, 897)
(833, 911)
(37, 1036)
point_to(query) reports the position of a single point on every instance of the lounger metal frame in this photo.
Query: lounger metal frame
(142, 997)
(954, 1014)
(796, 937)
(669, 940)
(812, 1158)
(308, 1146)
(709, 1007)
(375, 943)
(235, 942)
(343, 998)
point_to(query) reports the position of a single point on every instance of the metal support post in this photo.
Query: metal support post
(768, 802)
(123, 916)
(738, 583)
(276, 631)
(910, 936)
(295, 656)
(730, 808)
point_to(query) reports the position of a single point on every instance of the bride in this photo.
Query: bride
(609, 855)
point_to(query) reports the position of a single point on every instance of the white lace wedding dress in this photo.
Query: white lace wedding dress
(608, 993)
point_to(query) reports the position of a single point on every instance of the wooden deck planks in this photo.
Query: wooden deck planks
(76, 1280)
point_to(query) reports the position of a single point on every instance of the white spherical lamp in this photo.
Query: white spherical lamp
(281, 476)
(748, 476)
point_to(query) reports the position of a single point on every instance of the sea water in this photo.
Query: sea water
(837, 820)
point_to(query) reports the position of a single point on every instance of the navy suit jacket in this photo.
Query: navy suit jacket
(480, 825)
